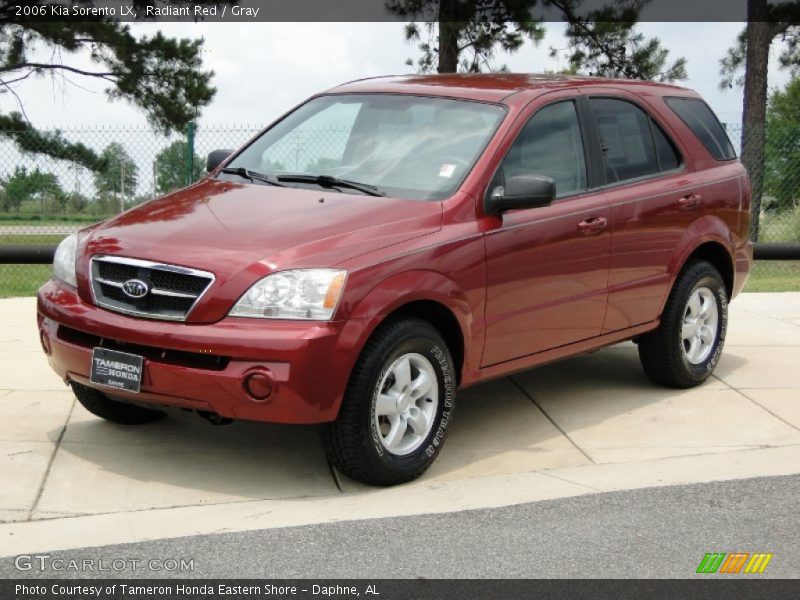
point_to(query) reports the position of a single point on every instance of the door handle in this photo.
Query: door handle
(690, 202)
(592, 225)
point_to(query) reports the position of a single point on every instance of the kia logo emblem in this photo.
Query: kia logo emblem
(135, 288)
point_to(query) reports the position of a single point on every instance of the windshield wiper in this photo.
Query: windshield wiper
(251, 175)
(332, 182)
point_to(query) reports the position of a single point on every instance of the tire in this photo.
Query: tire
(115, 411)
(390, 426)
(684, 350)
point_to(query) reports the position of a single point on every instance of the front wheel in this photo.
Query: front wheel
(397, 407)
(685, 349)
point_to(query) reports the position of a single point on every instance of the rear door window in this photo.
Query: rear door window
(633, 145)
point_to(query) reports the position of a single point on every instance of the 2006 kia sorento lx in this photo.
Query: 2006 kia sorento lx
(393, 239)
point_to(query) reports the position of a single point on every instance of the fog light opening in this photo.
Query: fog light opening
(258, 386)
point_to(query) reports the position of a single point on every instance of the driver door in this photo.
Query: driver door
(547, 267)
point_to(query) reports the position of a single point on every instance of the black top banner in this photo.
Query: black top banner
(399, 589)
(241, 11)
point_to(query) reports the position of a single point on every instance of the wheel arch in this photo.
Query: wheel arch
(443, 320)
(430, 296)
(715, 253)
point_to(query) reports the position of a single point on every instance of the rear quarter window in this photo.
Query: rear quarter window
(698, 117)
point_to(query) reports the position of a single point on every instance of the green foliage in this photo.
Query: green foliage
(24, 186)
(783, 25)
(464, 36)
(33, 141)
(161, 76)
(75, 203)
(732, 64)
(782, 149)
(458, 35)
(613, 49)
(171, 167)
(477, 43)
(119, 174)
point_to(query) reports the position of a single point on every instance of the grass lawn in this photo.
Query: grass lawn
(22, 280)
(774, 276)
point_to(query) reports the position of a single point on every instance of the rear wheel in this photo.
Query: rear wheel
(101, 405)
(397, 407)
(685, 349)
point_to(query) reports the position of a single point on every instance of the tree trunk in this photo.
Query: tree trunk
(448, 37)
(754, 115)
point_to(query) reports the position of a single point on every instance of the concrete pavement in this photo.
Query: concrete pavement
(593, 423)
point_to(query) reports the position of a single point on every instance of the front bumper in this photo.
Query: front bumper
(203, 366)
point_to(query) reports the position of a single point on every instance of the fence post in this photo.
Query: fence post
(188, 175)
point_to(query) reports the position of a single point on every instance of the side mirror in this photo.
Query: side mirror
(521, 191)
(216, 158)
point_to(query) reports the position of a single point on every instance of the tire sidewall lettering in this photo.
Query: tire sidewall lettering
(439, 359)
(722, 300)
(449, 394)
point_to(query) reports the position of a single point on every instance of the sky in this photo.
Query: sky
(263, 69)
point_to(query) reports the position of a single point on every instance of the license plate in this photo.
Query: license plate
(117, 369)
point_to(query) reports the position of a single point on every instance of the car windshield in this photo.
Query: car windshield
(401, 145)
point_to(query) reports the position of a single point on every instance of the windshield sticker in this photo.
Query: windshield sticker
(447, 170)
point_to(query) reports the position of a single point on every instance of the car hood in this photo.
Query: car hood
(241, 232)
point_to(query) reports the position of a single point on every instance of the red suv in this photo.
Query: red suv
(394, 239)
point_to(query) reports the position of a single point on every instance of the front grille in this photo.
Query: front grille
(171, 291)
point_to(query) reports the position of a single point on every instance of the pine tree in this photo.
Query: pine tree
(465, 35)
(161, 76)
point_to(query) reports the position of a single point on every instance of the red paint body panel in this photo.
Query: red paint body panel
(524, 288)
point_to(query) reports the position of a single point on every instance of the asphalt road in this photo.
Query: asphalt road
(657, 532)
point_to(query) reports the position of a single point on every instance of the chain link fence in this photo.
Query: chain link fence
(779, 218)
(43, 199)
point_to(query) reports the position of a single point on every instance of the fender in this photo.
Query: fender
(705, 229)
(400, 289)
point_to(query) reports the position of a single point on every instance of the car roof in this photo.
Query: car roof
(494, 87)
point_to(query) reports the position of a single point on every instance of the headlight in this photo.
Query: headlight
(300, 294)
(64, 260)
